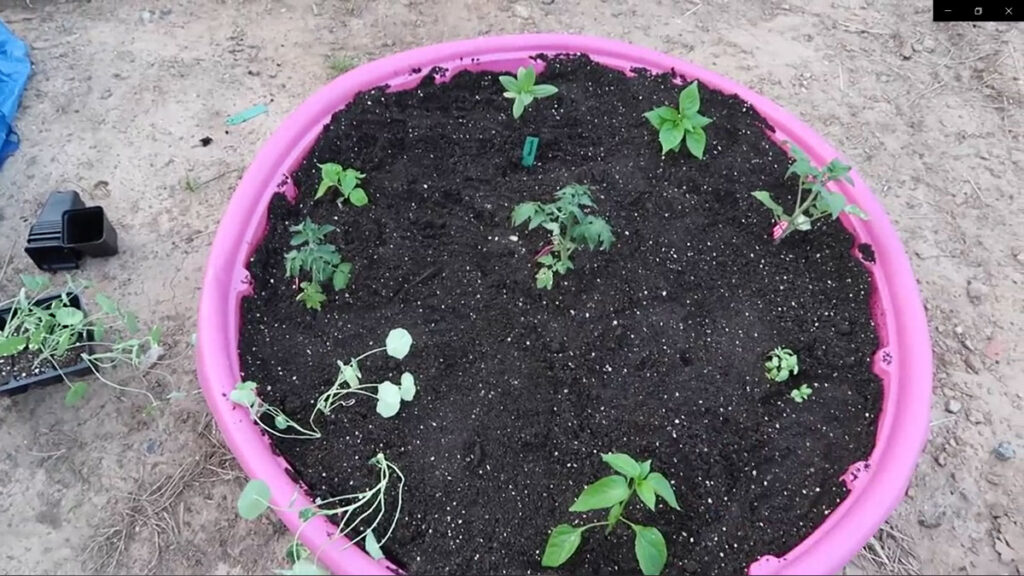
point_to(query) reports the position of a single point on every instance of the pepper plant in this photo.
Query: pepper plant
(522, 90)
(614, 493)
(814, 200)
(368, 506)
(569, 227)
(345, 180)
(316, 261)
(781, 364)
(684, 123)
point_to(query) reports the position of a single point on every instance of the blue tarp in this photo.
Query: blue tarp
(14, 71)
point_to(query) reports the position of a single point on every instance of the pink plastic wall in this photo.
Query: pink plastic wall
(903, 361)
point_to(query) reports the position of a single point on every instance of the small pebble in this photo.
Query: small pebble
(1004, 451)
(973, 364)
(953, 406)
(975, 417)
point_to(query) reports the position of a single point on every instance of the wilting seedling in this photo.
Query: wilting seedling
(389, 396)
(614, 493)
(522, 90)
(684, 123)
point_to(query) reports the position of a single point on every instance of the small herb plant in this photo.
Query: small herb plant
(569, 226)
(53, 331)
(614, 493)
(781, 364)
(676, 125)
(316, 261)
(255, 499)
(800, 394)
(522, 90)
(819, 201)
(346, 180)
(389, 396)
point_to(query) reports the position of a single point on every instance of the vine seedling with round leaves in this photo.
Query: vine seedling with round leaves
(614, 493)
(676, 125)
(781, 364)
(522, 90)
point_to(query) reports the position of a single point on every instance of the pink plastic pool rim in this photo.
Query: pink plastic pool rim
(903, 360)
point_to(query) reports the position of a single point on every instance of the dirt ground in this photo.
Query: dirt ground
(123, 90)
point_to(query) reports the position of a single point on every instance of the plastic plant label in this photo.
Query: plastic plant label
(530, 150)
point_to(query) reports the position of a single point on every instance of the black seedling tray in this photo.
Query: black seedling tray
(15, 386)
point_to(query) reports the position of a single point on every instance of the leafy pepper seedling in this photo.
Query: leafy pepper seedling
(820, 202)
(522, 90)
(684, 123)
(346, 180)
(800, 394)
(569, 226)
(614, 493)
(782, 363)
(316, 260)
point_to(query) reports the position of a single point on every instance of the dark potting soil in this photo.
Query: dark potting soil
(653, 348)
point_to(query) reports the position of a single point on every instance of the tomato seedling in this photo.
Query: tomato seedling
(318, 261)
(345, 180)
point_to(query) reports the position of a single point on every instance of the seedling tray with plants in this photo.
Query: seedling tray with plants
(669, 341)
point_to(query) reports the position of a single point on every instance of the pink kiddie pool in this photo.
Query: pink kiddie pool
(903, 360)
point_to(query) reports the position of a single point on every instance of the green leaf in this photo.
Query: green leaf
(698, 121)
(68, 316)
(331, 172)
(546, 260)
(689, 99)
(398, 343)
(307, 514)
(543, 90)
(545, 278)
(523, 212)
(295, 552)
(509, 83)
(281, 422)
(662, 488)
(801, 222)
(372, 547)
(358, 197)
(254, 499)
(12, 345)
(35, 283)
(131, 322)
(106, 304)
(305, 567)
(525, 77)
(389, 399)
(645, 468)
(518, 106)
(645, 491)
(696, 140)
(766, 199)
(155, 333)
(662, 115)
(320, 191)
(312, 295)
(562, 543)
(244, 394)
(856, 211)
(604, 493)
(614, 513)
(650, 549)
(75, 393)
(349, 374)
(341, 275)
(623, 464)
(670, 136)
(408, 387)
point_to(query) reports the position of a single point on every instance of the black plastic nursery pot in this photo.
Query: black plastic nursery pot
(11, 384)
(45, 245)
(88, 231)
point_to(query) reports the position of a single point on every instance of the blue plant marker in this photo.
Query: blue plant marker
(246, 115)
(530, 150)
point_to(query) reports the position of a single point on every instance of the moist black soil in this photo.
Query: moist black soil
(26, 364)
(653, 348)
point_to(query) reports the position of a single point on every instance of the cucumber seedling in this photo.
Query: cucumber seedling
(522, 90)
(316, 261)
(569, 227)
(345, 180)
(819, 202)
(676, 125)
(614, 493)
(781, 364)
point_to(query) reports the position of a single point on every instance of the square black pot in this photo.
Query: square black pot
(88, 231)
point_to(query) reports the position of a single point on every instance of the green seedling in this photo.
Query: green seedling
(819, 202)
(54, 331)
(352, 511)
(346, 180)
(781, 364)
(244, 394)
(522, 90)
(676, 125)
(569, 227)
(614, 493)
(317, 261)
(341, 64)
(389, 396)
(800, 394)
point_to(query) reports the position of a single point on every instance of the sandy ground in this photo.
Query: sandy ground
(123, 91)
